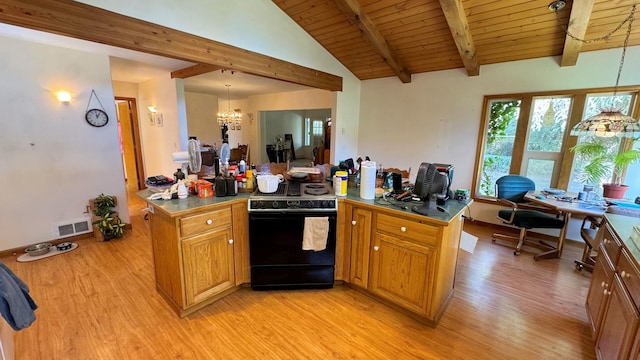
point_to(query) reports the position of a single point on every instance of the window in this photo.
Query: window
(307, 131)
(528, 134)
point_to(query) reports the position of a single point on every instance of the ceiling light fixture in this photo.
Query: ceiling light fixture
(610, 121)
(229, 117)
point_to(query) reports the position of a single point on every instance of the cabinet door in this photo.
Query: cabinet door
(600, 282)
(360, 244)
(402, 272)
(619, 324)
(208, 265)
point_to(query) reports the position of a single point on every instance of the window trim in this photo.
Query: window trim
(575, 116)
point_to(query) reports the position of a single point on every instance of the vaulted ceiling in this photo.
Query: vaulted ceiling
(382, 38)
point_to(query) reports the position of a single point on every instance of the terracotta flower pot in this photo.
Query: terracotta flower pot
(614, 191)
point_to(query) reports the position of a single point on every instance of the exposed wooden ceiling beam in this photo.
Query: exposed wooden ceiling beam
(78, 20)
(459, 26)
(578, 22)
(194, 70)
(359, 18)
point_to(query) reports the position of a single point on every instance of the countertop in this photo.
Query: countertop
(623, 226)
(177, 207)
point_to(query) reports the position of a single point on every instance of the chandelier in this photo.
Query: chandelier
(610, 121)
(225, 119)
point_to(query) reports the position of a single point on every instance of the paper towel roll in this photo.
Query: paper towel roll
(368, 179)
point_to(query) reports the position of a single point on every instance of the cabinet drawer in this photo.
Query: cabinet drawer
(203, 222)
(407, 229)
(610, 245)
(630, 276)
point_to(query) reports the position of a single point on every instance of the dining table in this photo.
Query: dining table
(566, 204)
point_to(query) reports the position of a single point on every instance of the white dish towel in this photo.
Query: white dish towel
(316, 232)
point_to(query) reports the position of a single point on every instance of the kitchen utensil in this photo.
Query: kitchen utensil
(38, 249)
(269, 183)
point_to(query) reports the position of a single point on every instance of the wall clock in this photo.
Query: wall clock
(96, 117)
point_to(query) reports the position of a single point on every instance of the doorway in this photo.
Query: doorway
(130, 146)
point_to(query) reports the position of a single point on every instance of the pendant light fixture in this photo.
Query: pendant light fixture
(229, 117)
(610, 121)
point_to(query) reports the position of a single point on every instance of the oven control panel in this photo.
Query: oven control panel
(293, 205)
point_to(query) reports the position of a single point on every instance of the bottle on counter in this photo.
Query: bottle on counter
(242, 166)
(178, 175)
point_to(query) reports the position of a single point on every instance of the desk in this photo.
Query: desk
(567, 208)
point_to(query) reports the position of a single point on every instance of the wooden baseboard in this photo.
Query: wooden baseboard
(514, 231)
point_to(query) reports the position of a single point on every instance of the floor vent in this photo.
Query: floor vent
(73, 227)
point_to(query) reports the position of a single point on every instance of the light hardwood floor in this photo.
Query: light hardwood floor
(100, 302)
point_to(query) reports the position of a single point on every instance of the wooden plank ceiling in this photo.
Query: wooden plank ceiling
(383, 38)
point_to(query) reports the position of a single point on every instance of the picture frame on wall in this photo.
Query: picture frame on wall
(152, 119)
(232, 126)
(159, 120)
(238, 126)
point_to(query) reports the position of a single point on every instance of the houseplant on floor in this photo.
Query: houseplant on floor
(603, 161)
(107, 223)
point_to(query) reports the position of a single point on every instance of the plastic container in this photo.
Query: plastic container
(340, 183)
(205, 189)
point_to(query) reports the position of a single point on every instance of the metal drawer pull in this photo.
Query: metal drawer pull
(376, 248)
(625, 274)
(353, 222)
(607, 292)
(209, 222)
(403, 229)
(604, 285)
(230, 241)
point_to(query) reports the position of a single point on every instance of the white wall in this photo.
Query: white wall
(160, 142)
(436, 118)
(201, 117)
(262, 27)
(53, 162)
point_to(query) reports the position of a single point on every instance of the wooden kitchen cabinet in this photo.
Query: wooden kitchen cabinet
(600, 282)
(404, 259)
(614, 294)
(402, 272)
(208, 265)
(196, 255)
(619, 323)
(360, 229)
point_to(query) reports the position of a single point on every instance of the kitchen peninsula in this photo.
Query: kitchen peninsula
(406, 260)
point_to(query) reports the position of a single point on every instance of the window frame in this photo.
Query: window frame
(519, 147)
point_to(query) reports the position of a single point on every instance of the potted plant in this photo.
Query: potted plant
(107, 223)
(604, 161)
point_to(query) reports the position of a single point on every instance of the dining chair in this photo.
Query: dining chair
(589, 234)
(510, 191)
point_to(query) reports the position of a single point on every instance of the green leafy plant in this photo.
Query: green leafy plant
(108, 222)
(603, 161)
(104, 204)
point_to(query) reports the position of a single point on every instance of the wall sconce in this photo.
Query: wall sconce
(63, 97)
(152, 109)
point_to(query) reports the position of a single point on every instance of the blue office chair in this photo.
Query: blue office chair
(510, 191)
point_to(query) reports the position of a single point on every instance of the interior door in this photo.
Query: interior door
(130, 143)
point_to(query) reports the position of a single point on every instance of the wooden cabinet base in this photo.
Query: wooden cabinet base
(431, 322)
(190, 310)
